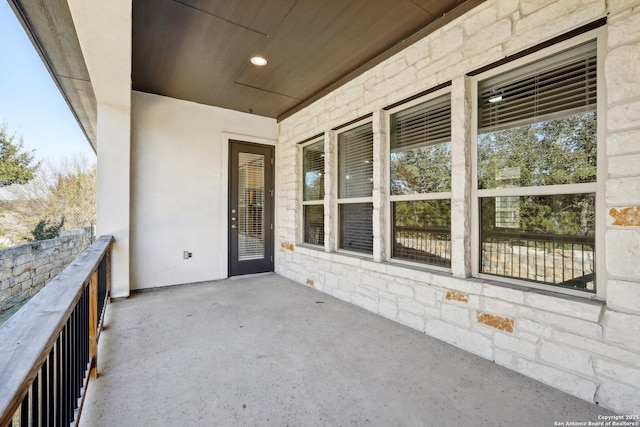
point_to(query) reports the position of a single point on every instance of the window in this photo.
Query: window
(536, 170)
(355, 187)
(421, 182)
(313, 192)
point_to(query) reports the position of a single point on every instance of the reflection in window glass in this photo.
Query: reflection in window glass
(560, 151)
(314, 224)
(313, 171)
(537, 128)
(421, 148)
(552, 240)
(421, 170)
(422, 231)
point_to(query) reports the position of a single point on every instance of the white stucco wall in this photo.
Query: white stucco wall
(179, 185)
(586, 347)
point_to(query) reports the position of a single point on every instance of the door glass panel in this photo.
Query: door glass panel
(251, 231)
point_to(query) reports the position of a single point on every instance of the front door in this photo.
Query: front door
(250, 208)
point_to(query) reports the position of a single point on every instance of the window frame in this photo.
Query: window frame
(317, 140)
(448, 195)
(597, 187)
(337, 201)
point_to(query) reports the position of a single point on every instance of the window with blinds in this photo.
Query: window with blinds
(420, 166)
(313, 176)
(356, 227)
(313, 171)
(537, 128)
(355, 162)
(355, 188)
(421, 148)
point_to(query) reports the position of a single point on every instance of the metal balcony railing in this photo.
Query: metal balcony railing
(48, 349)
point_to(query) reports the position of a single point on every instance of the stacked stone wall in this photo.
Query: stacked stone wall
(587, 347)
(26, 269)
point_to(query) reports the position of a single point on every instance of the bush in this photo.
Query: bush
(44, 231)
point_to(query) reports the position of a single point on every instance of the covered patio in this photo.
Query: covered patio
(363, 157)
(263, 350)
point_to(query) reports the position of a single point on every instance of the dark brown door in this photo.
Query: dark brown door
(250, 208)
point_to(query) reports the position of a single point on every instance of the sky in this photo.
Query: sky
(31, 106)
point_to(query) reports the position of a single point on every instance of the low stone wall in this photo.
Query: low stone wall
(26, 269)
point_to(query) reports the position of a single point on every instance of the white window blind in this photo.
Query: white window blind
(422, 125)
(251, 234)
(560, 85)
(356, 227)
(355, 162)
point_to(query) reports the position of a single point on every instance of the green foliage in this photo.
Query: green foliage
(16, 165)
(44, 231)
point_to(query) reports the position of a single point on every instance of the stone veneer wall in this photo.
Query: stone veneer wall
(26, 269)
(590, 349)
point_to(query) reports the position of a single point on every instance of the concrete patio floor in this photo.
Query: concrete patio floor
(264, 351)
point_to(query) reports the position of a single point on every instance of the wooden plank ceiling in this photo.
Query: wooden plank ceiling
(199, 50)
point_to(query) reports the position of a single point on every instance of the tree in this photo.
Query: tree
(65, 190)
(73, 194)
(16, 165)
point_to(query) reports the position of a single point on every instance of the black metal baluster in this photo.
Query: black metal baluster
(72, 362)
(77, 344)
(35, 391)
(51, 413)
(24, 411)
(69, 376)
(58, 382)
(44, 389)
(64, 384)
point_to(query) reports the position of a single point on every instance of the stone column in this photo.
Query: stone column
(461, 176)
(330, 191)
(380, 187)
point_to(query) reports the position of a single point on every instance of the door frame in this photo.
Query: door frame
(261, 143)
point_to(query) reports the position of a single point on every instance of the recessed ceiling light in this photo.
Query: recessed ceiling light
(259, 61)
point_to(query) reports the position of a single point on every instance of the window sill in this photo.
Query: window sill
(444, 278)
(541, 289)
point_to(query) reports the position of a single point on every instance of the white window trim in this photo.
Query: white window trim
(598, 187)
(345, 201)
(303, 203)
(409, 197)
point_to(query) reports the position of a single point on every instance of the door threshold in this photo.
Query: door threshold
(242, 276)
